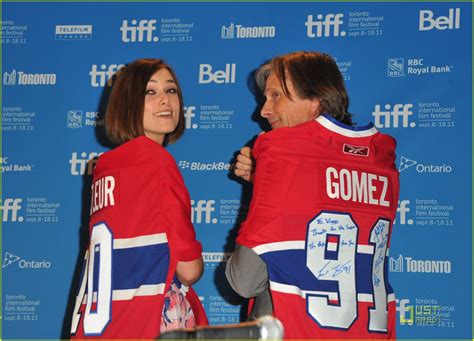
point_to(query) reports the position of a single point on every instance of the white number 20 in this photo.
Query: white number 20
(96, 321)
(330, 255)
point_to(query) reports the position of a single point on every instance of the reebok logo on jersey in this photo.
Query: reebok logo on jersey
(355, 150)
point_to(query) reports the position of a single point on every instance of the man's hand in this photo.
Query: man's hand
(245, 165)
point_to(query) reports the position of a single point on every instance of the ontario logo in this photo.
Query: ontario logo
(10, 259)
(406, 163)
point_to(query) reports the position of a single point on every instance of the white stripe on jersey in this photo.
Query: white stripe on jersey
(344, 131)
(128, 294)
(292, 289)
(279, 246)
(151, 239)
(300, 245)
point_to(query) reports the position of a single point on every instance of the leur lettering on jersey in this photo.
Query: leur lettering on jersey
(102, 193)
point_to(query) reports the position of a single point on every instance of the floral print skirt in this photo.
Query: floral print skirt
(177, 312)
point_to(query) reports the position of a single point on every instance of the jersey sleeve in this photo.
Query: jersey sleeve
(176, 208)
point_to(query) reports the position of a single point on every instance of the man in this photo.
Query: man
(324, 201)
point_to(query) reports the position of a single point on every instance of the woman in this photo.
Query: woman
(143, 251)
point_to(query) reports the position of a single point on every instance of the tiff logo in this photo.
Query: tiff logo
(402, 211)
(203, 208)
(10, 209)
(189, 113)
(79, 165)
(325, 26)
(138, 31)
(406, 312)
(104, 75)
(391, 117)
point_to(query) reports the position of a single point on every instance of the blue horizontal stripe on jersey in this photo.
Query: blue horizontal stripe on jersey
(289, 267)
(136, 266)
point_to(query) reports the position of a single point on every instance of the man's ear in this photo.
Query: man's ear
(315, 107)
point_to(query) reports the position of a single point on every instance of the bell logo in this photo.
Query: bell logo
(202, 208)
(441, 23)
(79, 165)
(138, 31)
(206, 75)
(328, 25)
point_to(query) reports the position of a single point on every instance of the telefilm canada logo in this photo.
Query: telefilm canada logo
(73, 32)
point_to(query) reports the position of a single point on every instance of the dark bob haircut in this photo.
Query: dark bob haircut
(124, 117)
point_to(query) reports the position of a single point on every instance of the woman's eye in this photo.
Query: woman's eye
(173, 91)
(275, 95)
(150, 92)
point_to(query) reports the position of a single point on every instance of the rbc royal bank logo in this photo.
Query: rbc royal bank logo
(428, 22)
(74, 119)
(11, 210)
(138, 31)
(325, 25)
(393, 117)
(396, 67)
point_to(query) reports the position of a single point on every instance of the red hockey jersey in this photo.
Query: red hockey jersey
(324, 201)
(139, 229)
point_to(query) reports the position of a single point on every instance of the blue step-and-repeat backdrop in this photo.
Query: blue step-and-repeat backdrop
(407, 67)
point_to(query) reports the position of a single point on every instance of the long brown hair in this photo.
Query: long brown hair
(314, 75)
